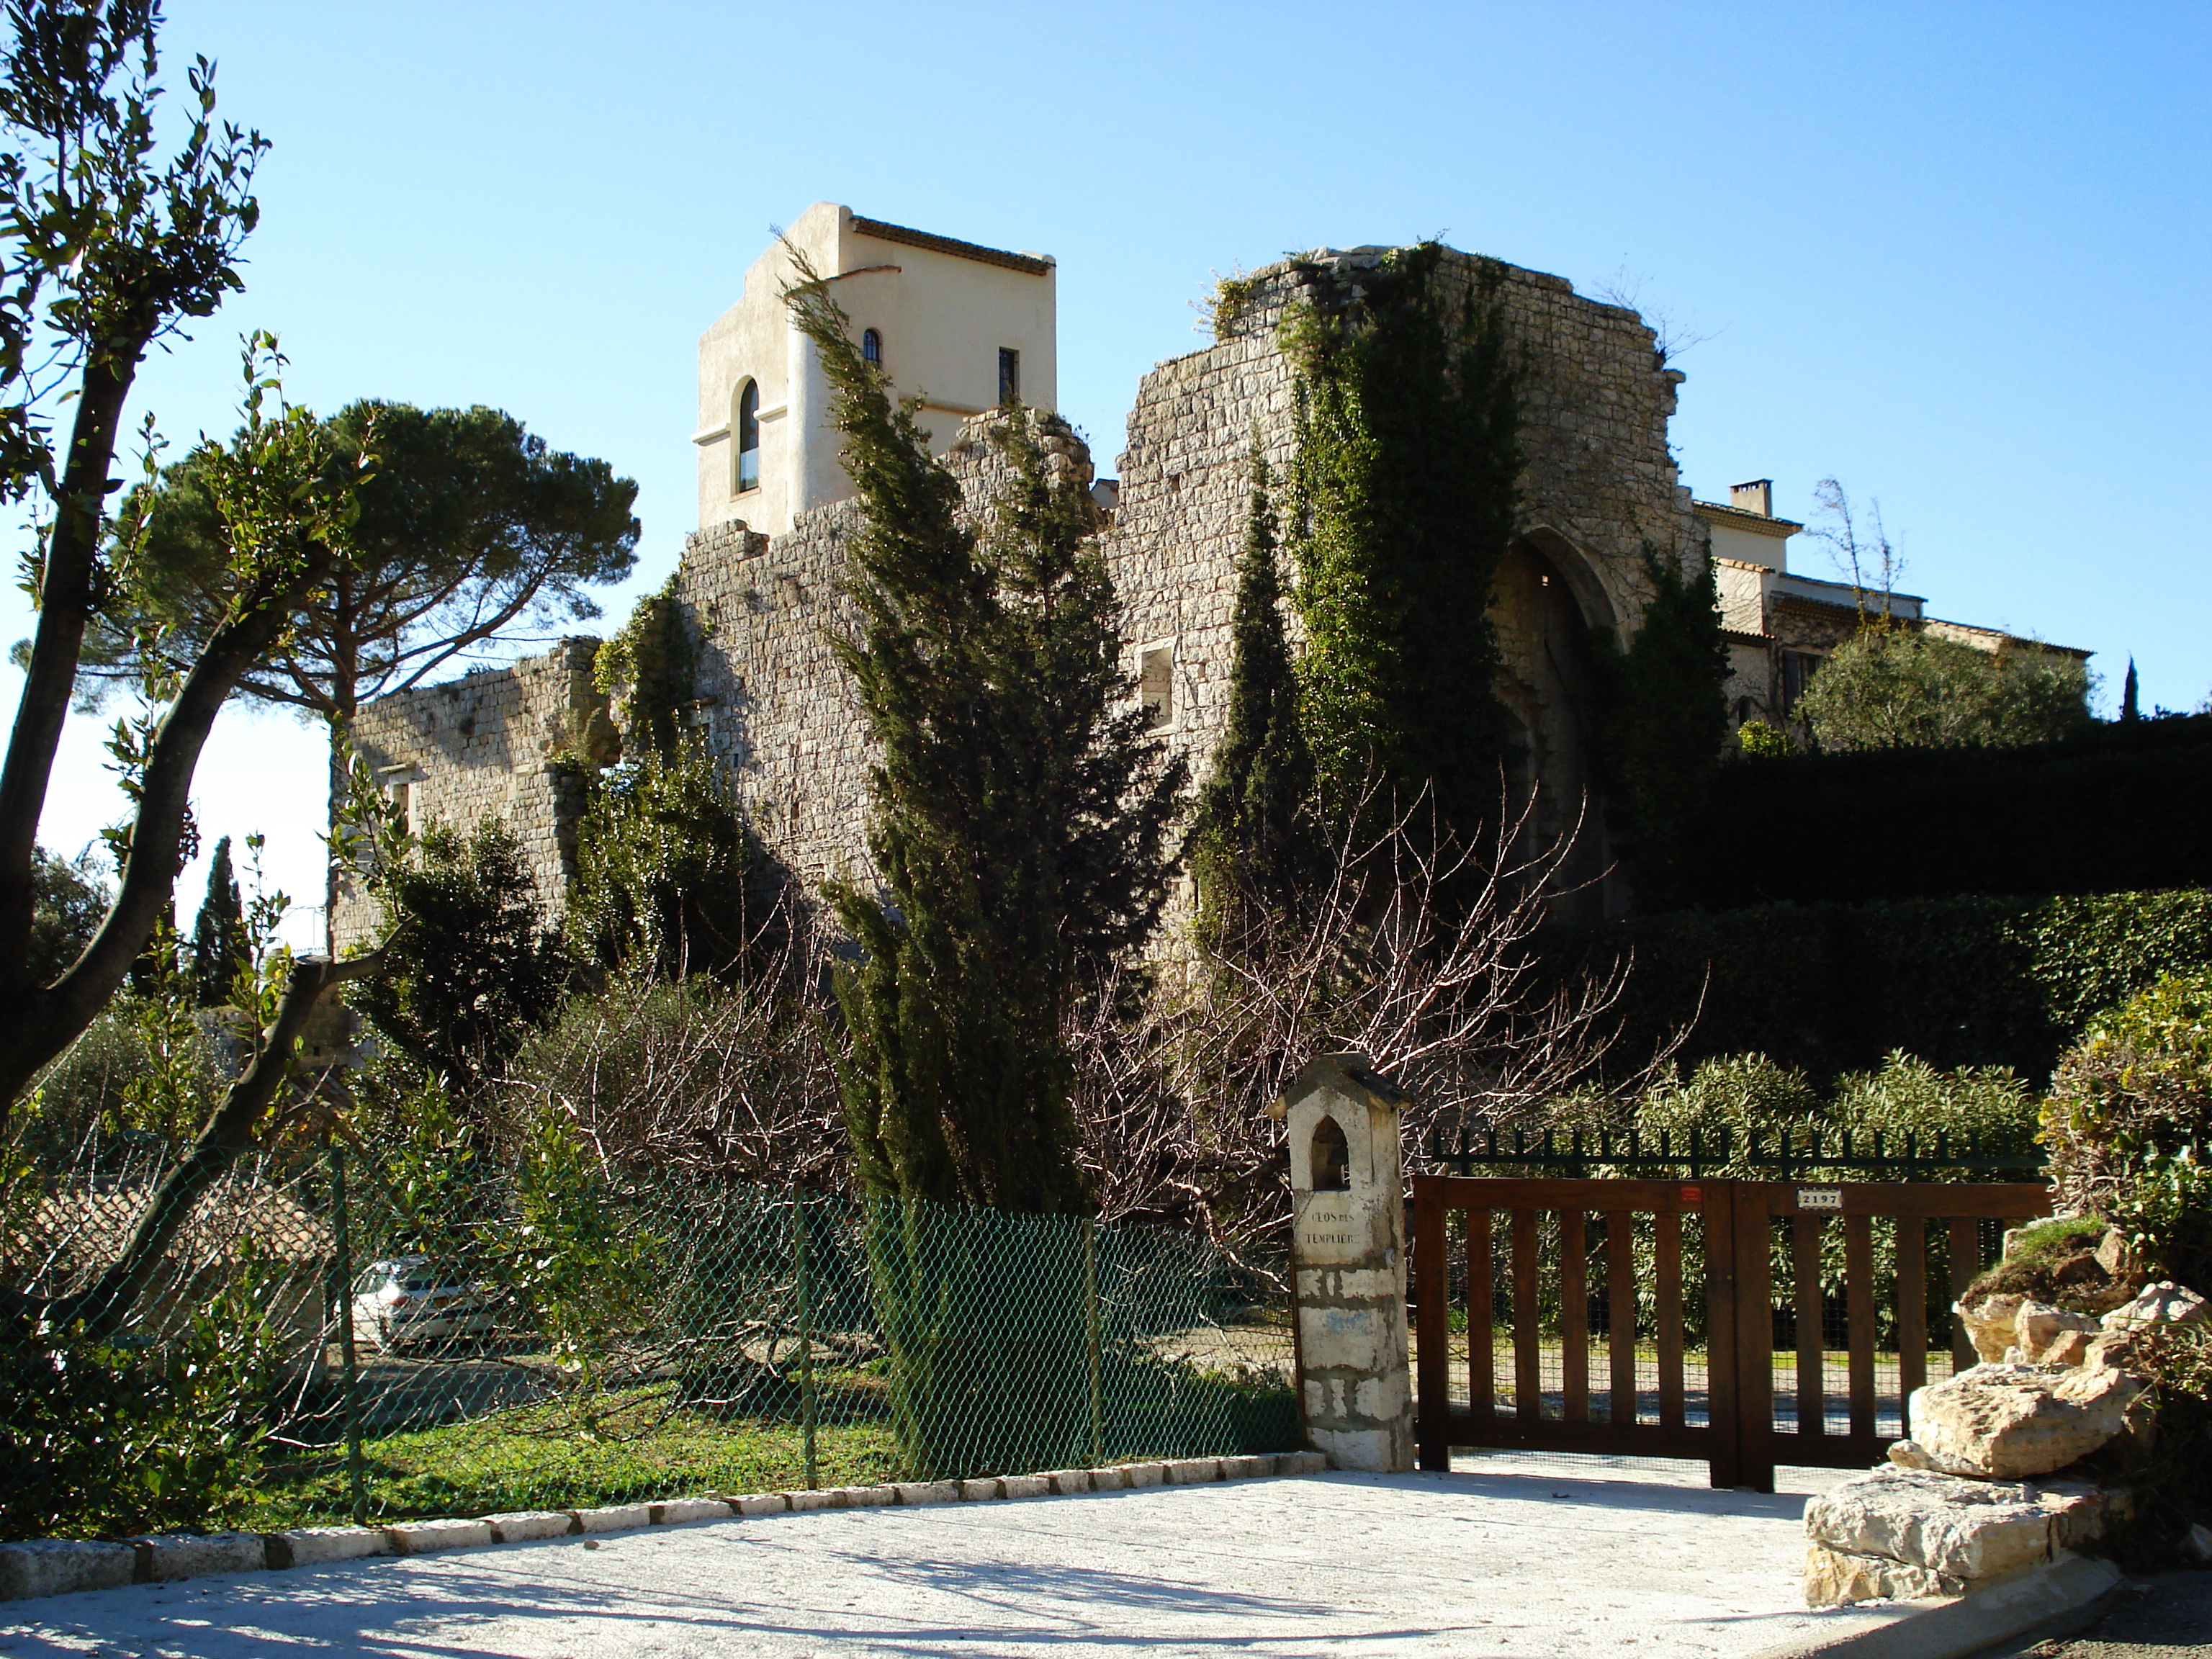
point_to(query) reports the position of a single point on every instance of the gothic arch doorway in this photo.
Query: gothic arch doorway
(1542, 621)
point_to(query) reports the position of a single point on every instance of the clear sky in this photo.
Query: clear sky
(1954, 255)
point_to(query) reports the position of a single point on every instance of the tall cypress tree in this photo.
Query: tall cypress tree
(1254, 841)
(221, 946)
(1020, 811)
(1658, 719)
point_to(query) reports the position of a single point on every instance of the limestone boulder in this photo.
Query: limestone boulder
(2069, 1348)
(1835, 1578)
(2162, 1303)
(1959, 1529)
(1992, 1324)
(2009, 1422)
(1899, 1531)
(2039, 1326)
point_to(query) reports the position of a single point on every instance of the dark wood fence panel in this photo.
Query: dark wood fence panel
(1553, 1257)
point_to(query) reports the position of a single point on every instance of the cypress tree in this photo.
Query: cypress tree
(221, 946)
(1658, 719)
(1020, 812)
(1254, 841)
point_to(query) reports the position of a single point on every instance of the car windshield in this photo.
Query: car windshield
(421, 1276)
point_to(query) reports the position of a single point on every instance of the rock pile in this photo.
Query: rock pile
(1968, 1501)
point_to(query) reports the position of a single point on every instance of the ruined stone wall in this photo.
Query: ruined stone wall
(778, 711)
(484, 746)
(1599, 485)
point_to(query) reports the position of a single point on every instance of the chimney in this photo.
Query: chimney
(1757, 496)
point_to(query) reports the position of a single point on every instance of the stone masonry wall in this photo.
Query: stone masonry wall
(483, 746)
(1599, 486)
(778, 710)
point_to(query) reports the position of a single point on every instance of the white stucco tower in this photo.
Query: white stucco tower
(962, 327)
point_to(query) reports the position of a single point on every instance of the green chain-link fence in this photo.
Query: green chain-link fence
(389, 1337)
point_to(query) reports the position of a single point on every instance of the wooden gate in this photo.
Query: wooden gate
(1692, 1296)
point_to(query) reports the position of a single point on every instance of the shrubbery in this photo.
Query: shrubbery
(2130, 1125)
(1834, 987)
(1903, 687)
(2115, 807)
(1743, 1095)
(103, 1439)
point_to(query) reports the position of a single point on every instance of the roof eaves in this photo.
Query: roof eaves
(1028, 263)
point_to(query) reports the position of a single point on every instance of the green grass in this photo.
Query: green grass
(546, 1456)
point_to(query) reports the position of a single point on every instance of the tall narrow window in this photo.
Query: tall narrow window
(1156, 685)
(872, 347)
(748, 436)
(1010, 375)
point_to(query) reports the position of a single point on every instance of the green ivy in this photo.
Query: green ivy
(655, 656)
(663, 860)
(1404, 486)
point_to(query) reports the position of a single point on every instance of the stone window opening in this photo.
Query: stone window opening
(1010, 375)
(1156, 686)
(748, 437)
(1331, 1157)
(872, 347)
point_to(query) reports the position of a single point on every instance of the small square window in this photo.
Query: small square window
(1010, 375)
(1156, 685)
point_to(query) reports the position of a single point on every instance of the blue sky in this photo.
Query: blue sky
(1953, 255)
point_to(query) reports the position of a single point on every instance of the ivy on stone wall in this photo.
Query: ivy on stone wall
(1403, 487)
(1659, 719)
(653, 665)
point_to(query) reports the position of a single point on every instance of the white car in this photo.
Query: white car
(408, 1299)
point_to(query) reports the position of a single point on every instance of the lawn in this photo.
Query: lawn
(635, 1447)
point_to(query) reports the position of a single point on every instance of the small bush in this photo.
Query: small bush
(2128, 1123)
(105, 1439)
(467, 969)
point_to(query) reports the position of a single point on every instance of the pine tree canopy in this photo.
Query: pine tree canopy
(1020, 812)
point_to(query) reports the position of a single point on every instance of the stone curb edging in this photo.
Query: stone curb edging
(1954, 1629)
(54, 1566)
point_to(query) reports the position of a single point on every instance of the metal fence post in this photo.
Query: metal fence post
(1091, 1323)
(807, 1403)
(342, 1267)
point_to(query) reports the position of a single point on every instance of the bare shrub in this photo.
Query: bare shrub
(1418, 955)
(734, 1081)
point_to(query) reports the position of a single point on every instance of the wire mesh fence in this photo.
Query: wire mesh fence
(362, 1336)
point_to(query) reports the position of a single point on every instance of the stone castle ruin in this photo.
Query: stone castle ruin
(965, 328)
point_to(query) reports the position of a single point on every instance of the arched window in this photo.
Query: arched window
(748, 436)
(872, 347)
(1331, 1157)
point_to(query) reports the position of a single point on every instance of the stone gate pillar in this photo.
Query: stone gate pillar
(1348, 1263)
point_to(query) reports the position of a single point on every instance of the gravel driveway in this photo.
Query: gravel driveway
(1523, 1559)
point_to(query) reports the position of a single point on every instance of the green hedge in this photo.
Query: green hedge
(2121, 807)
(1834, 988)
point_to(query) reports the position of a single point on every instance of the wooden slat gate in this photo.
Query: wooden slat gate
(1675, 1284)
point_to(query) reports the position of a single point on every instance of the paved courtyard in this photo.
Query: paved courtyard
(1526, 1557)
